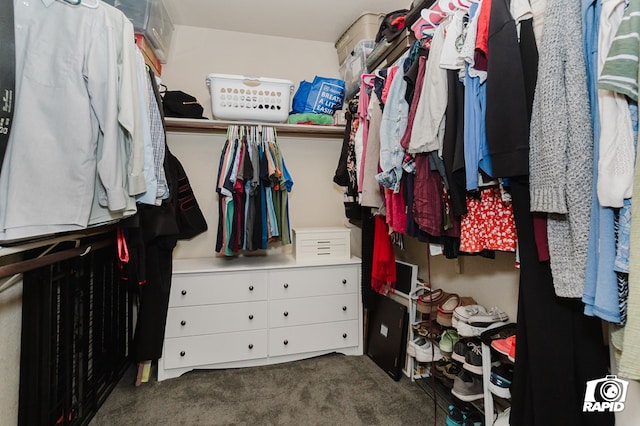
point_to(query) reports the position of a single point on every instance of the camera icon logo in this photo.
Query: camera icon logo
(606, 394)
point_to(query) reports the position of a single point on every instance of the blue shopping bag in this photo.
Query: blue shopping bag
(322, 96)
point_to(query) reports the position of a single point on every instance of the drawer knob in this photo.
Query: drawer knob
(250, 345)
(344, 308)
(286, 342)
(250, 317)
(344, 281)
(286, 314)
(344, 335)
(286, 285)
(250, 288)
(183, 323)
(183, 353)
(184, 292)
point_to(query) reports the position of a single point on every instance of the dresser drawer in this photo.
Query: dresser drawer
(310, 338)
(312, 281)
(205, 289)
(209, 319)
(323, 251)
(289, 312)
(192, 351)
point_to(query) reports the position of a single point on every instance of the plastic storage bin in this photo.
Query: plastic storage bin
(364, 28)
(149, 17)
(354, 66)
(248, 98)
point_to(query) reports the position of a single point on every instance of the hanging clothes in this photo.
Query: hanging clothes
(561, 150)
(488, 224)
(252, 185)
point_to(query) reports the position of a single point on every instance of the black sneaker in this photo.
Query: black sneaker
(500, 380)
(473, 358)
(459, 350)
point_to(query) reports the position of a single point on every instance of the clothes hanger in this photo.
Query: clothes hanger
(72, 3)
(432, 17)
(446, 6)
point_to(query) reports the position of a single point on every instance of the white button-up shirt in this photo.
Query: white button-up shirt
(66, 93)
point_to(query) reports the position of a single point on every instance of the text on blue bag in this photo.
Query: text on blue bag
(326, 98)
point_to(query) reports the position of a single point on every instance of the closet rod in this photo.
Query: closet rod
(50, 259)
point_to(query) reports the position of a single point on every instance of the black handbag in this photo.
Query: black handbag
(176, 103)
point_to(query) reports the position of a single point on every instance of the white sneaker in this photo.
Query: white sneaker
(411, 346)
(491, 316)
(428, 352)
(464, 313)
(468, 330)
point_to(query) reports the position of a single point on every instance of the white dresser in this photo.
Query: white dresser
(249, 311)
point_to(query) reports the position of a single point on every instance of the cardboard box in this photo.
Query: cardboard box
(149, 57)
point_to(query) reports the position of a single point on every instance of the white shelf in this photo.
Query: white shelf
(211, 126)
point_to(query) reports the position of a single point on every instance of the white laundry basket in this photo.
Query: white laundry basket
(248, 98)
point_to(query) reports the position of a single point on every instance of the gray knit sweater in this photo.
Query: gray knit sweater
(561, 151)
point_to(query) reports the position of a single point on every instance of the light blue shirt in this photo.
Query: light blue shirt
(392, 128)
(66, 93)
(600, 294)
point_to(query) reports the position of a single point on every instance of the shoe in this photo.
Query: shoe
(465, 313)
(512, 351)
(411, 346)
(467, 387)
(446, 308)
(451, 370)
(490, 316)
(428, 303)
(447, 341)
(441, 364)
(430, 330)
(455, 416)
(473, 358)
(468, 330)
(496, 333)
(503, 418)
(459, 351)
(500, 381)
(506, 346)
(473, 418)
(427, 352)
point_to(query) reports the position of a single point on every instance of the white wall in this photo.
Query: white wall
(198, 52)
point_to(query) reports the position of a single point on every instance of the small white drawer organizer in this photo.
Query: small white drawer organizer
(321, 243)
(250, 311)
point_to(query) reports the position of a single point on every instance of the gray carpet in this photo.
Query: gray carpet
(328, 390)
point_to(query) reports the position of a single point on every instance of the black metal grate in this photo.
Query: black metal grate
(76, 331)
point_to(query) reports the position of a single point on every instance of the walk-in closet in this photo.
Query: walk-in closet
(386, 212)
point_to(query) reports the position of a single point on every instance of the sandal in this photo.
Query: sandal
(446, 308)
(428, 302)
(431, 330)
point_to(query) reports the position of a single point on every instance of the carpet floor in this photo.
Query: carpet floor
(332, 389)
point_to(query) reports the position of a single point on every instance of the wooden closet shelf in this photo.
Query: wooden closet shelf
(206, 126)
